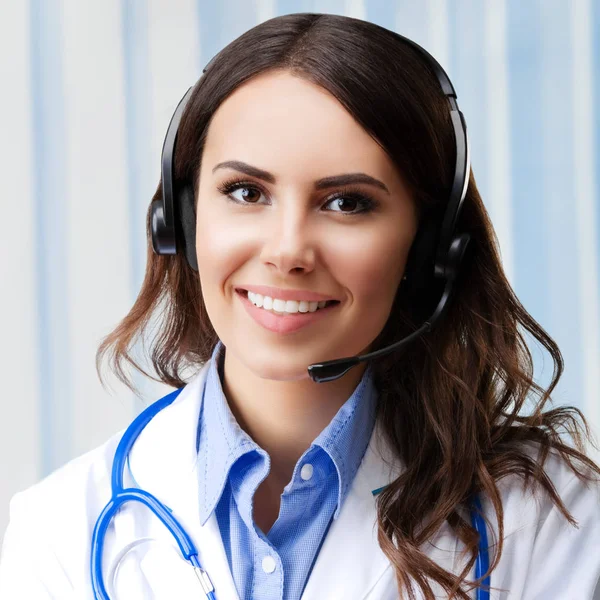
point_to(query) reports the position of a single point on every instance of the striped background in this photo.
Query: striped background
(87, 92)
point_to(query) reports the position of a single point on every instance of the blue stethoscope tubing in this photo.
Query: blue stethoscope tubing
(121, 495)
(482, 562)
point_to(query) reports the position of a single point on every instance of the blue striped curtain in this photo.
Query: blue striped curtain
(88, 90)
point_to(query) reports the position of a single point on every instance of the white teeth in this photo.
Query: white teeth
(278, 305)
(288, 306)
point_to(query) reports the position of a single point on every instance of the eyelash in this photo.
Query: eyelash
(368, 204)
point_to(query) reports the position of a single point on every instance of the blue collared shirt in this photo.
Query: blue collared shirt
(276, 565)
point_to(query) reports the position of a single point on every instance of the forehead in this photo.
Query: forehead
(293, 127)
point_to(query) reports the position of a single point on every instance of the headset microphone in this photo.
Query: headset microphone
(435, 240)
(333, 369)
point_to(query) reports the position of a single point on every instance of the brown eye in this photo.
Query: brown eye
(345, 204)
(351, 203)
(249, 194)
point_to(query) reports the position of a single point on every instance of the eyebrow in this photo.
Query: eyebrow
(320, 184)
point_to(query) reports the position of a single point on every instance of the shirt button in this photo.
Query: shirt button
(268, 564)
(306, 472)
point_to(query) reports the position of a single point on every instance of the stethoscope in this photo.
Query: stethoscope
(121, 495)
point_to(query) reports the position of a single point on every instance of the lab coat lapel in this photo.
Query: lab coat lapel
(164, 462)
(351, 562)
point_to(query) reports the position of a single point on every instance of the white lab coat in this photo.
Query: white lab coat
(46, 550)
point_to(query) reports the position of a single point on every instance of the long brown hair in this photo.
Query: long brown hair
(458, 427)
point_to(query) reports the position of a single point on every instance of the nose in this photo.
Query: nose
(289, 243)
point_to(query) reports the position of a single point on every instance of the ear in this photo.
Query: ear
(187, 213)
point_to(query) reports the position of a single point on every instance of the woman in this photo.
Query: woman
(361, 486)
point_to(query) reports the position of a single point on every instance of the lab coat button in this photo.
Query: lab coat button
(306, 472)
(268, 564)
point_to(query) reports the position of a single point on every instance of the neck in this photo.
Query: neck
(284, 417)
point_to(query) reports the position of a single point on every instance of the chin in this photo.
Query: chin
(277, 364)
(281, 372)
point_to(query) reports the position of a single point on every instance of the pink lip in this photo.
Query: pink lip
(283, 323)
(274, 292)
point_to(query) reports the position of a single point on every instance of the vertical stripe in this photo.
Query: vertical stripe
(586, 210)
(19, 425)
(498, 191)
(96, 201)
(381, 12)
(219, 24)
(137, 120)
(467, 70)
(174, 68)
(595, 126)
(285, 7)
(50, 230)
(526, 96)
(438, 42)
(560, 243)
(412, 22)
(595, 122)
(356, 9)
(334, 7)
(525, 99)
(265, 10)
(209, 27)
(138, 139)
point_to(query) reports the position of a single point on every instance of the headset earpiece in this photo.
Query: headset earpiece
(163, 237)
(164, 209)
(187, 220)
(456, 253)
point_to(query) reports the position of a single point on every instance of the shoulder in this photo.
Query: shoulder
(576, 492)
(67, 500)
(71, 486)
(544, 554)
(56, 515)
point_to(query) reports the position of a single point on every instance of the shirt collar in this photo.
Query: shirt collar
(347, 436)
(221, 441)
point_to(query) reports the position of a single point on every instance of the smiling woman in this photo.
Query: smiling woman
(312, 179)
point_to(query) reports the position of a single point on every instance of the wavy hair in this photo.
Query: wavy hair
(460, 426)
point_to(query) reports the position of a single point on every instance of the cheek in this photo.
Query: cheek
(371, 267)
(221, 247)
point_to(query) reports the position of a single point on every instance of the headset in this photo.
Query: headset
(437, 241)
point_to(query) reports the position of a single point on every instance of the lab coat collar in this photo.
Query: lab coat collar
(351, 545)
(164, 462)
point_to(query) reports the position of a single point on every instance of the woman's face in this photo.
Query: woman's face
(280, 229)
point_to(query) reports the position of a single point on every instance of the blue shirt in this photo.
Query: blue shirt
(276, 565)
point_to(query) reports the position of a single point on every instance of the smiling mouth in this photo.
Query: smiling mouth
(312, 306)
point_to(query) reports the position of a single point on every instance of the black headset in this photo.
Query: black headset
(439, 240)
